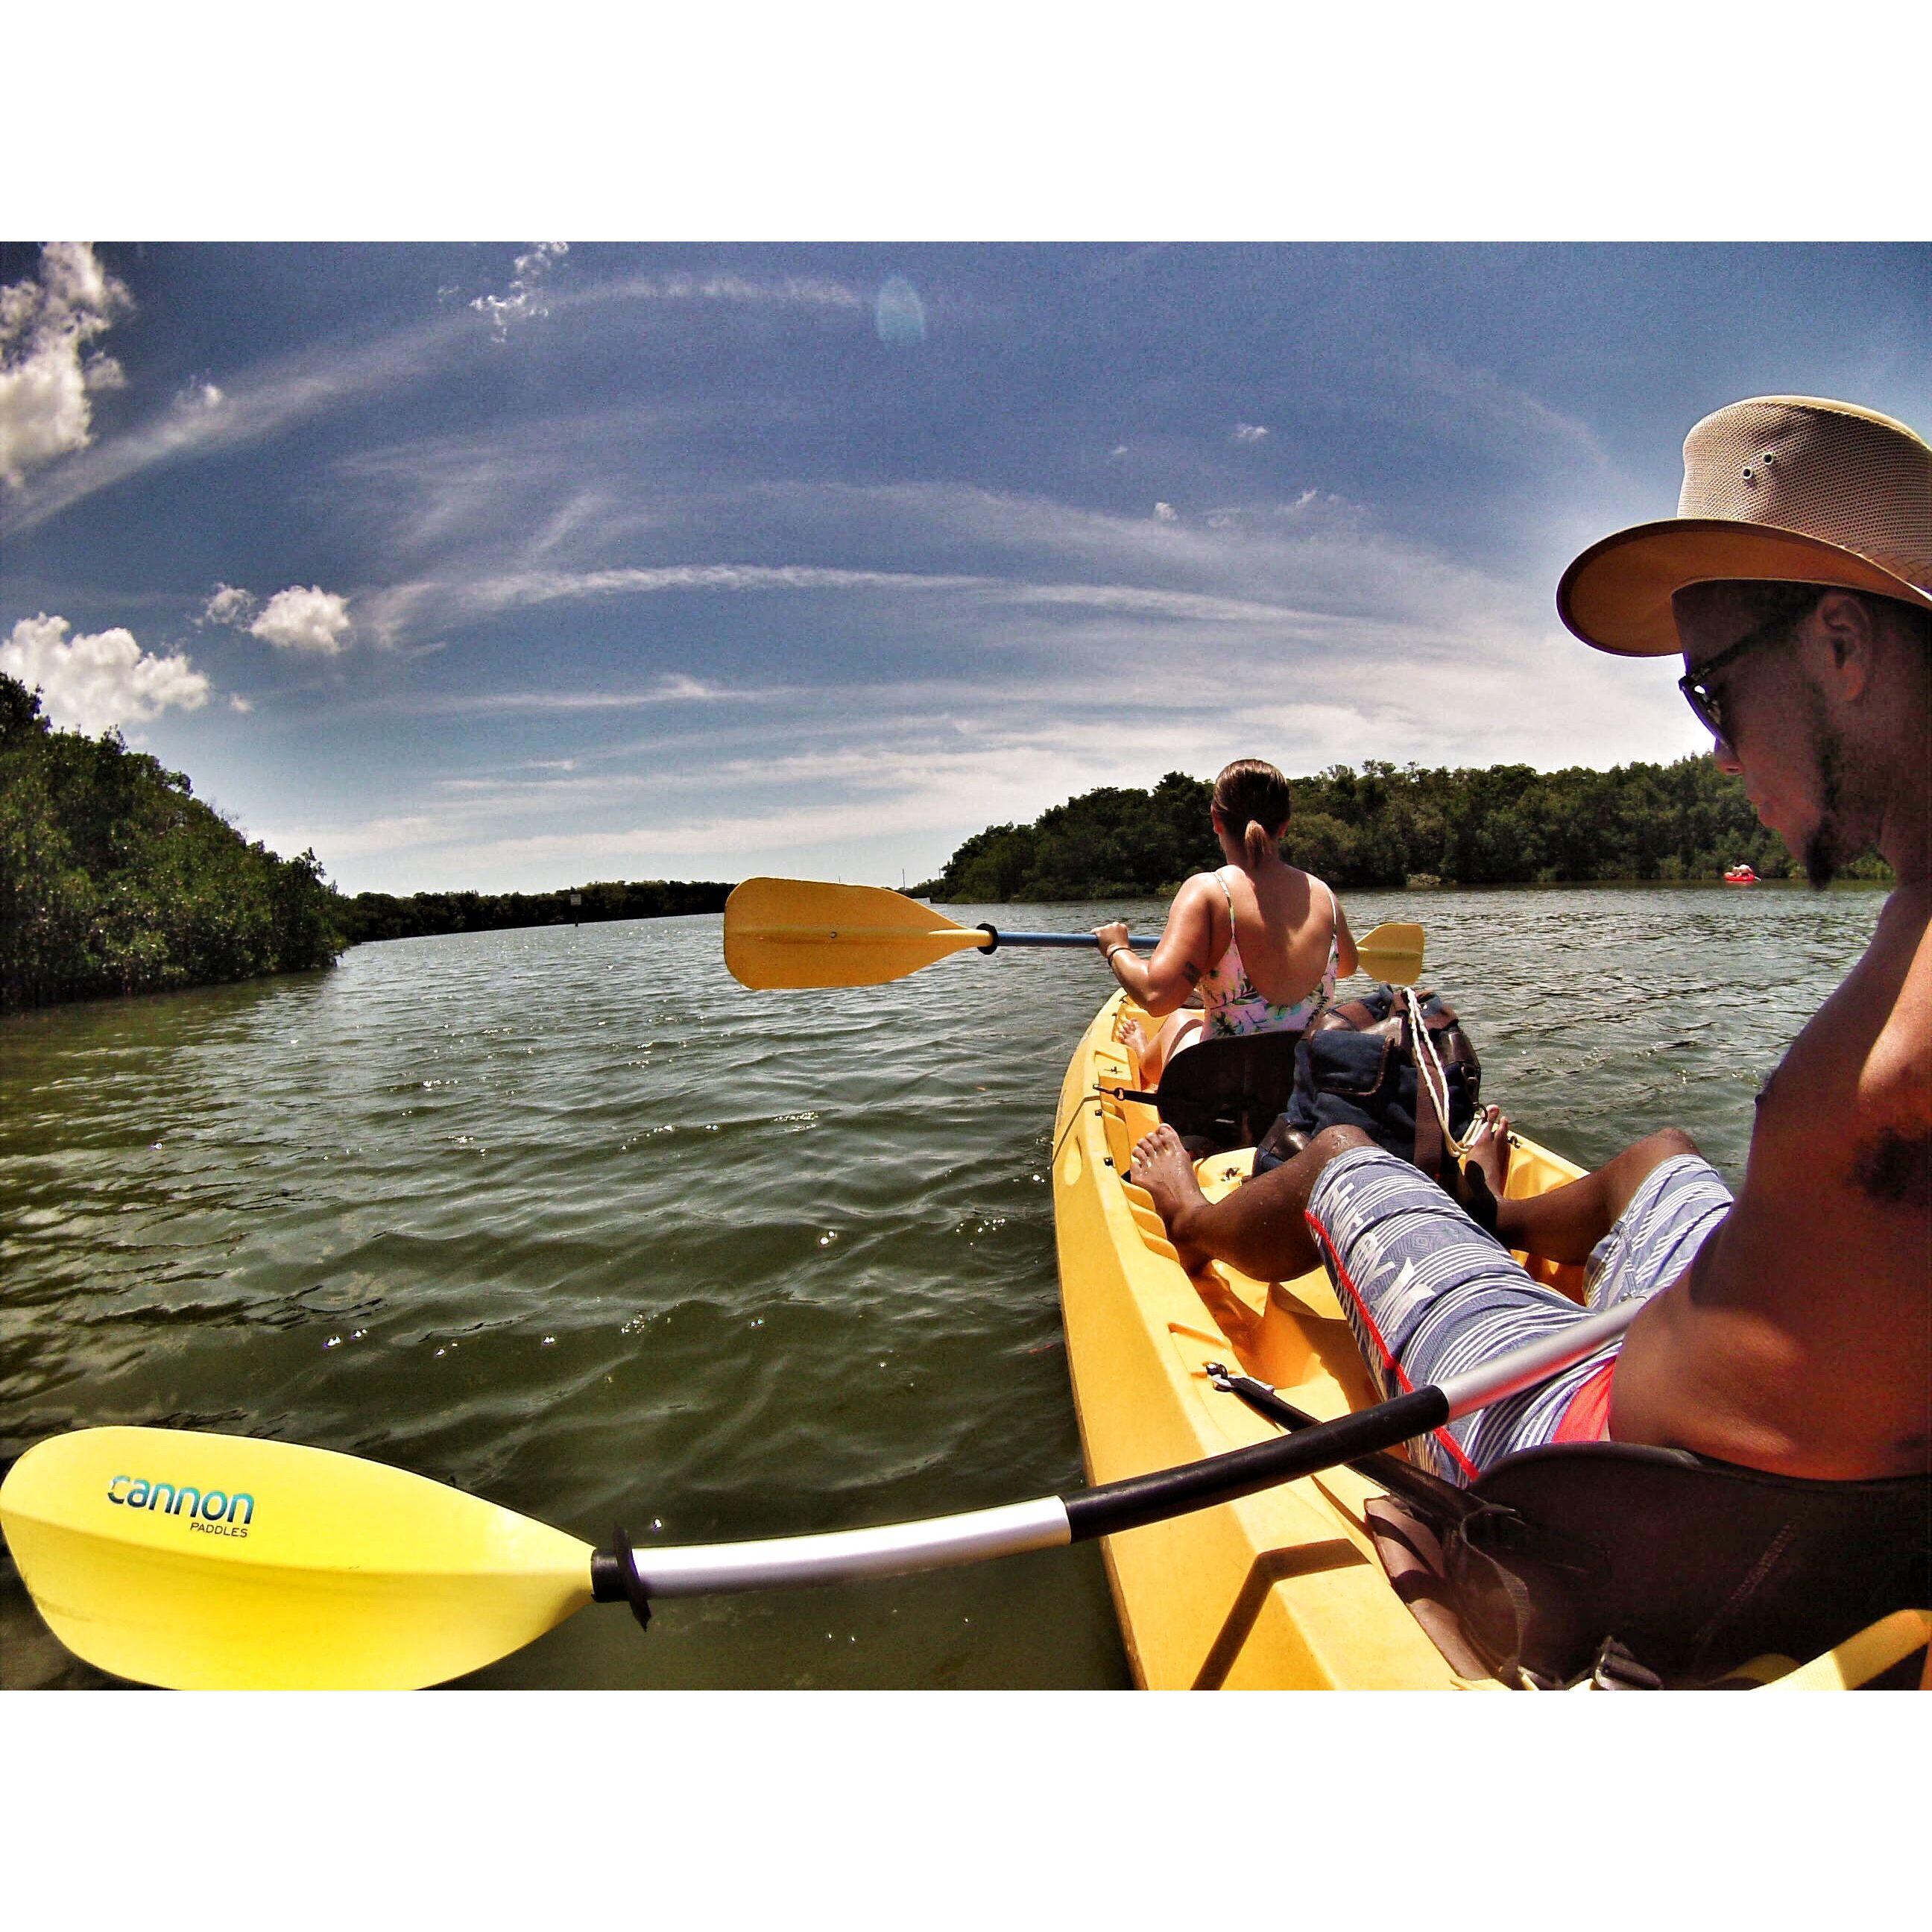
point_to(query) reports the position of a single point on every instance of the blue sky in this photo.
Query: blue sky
(514, 564)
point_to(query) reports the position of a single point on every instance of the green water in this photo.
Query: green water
(567, 1218)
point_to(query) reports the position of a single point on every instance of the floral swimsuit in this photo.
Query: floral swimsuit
(1234, 1006)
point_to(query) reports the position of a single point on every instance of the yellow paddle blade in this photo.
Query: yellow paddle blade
(217, 1562)
(800, 932)
(1392, 952)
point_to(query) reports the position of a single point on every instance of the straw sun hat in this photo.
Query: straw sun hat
(1782, 489)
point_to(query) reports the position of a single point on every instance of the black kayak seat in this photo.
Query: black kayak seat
(1659, 1567)
(1222, 1093)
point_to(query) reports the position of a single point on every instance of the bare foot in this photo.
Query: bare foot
(1161, 1165)
(1135, 1038)
(1489, 1148)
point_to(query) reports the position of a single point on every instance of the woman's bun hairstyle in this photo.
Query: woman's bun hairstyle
(1252, 798)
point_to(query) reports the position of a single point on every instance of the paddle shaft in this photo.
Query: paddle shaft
(944, 1542)
(1000, 939)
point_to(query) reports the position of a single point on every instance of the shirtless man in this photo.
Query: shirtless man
(1791, 1331)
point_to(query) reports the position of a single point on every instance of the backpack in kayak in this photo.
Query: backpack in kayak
(1659, 1566)
(1223, 1093)
(1355, 1067)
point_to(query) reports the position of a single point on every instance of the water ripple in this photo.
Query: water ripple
(568, 1218)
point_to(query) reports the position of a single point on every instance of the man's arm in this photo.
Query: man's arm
(1801, 1339)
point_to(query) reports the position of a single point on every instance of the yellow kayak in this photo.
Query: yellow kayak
(1283, 1589)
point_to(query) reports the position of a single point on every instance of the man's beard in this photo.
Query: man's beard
(1825, 847)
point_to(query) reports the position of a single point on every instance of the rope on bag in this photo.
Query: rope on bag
(1427, 1063)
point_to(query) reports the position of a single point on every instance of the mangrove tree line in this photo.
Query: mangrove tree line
(116, 878)
(383, 916)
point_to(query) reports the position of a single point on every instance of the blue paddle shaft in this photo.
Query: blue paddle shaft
(1056, 939)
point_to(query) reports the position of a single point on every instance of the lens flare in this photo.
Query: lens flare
(899, 315)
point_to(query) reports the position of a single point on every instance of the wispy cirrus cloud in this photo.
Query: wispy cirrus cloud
(1476, 405)
(399, 608)
(676, 687)
(45, 414)
(261, 402)
(821, 291)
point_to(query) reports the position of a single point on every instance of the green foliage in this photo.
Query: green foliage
(381, 915)
(1384, 825)
(115, 878)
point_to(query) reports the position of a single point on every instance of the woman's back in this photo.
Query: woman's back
(1277, 937)
(1261, 941)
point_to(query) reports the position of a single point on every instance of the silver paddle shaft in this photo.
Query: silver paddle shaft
(939, 1542)
(1535, 1361)
(845, 1555)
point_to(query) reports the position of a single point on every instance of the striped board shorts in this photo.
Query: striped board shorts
(1428, 1293)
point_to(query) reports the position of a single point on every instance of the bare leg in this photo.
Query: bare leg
(1179, 1029)
(1259, 1228)
(1567, 1221)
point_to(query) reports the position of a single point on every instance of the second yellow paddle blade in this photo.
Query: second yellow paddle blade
(1392, 952)
(218, 1562)
(804, 932)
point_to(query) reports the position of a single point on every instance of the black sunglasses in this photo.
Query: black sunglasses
(1698, 692)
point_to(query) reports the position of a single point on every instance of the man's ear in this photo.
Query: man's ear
(1846, 642)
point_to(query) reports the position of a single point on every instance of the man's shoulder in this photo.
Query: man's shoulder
(1853, 1098)
(1865, 1056)
(1896, 974)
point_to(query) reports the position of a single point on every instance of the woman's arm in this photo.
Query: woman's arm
(1344, 942)
(1161, 983)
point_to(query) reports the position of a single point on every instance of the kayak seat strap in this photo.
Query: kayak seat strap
(1676, 1567)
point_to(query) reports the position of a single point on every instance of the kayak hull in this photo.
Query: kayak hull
(1280, 1590)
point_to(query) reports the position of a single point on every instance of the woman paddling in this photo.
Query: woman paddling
(1263, 940)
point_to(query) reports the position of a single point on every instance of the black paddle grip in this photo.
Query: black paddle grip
(1129, 1504)
(613, 1579)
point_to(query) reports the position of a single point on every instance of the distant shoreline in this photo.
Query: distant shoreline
(1790, 885)
(377, 916)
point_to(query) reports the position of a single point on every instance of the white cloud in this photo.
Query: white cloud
(238, 702)
(525, 299)
(314, 620)
(229, 605)
(45, 380)
(87, 683)
(1250, 432)
(1165, 513)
